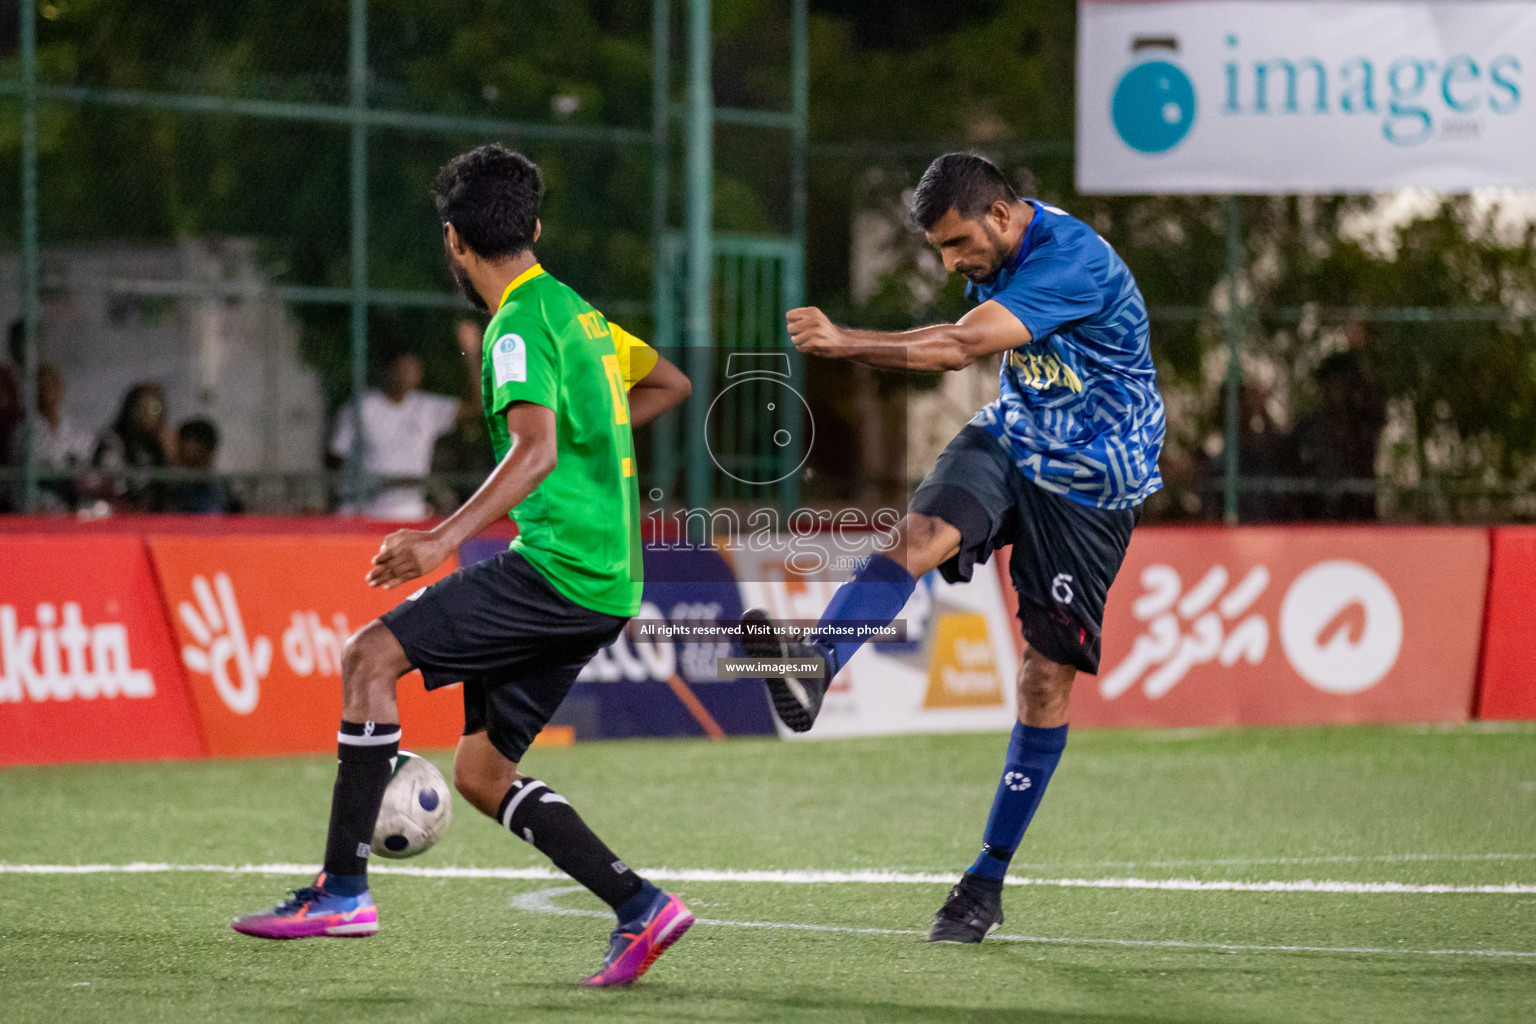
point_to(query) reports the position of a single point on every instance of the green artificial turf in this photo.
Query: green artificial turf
(1419, 807)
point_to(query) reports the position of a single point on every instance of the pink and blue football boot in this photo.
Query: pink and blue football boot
(313, 913)
(632, 949)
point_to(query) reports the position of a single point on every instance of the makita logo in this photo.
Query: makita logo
(61, 657)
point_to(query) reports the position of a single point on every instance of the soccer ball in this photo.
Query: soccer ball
(416, 809)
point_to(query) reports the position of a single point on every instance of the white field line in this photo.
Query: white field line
(1383, 858)
(872, 877)
(542, 902)
(1487, 728)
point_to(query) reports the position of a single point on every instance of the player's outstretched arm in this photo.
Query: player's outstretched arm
(984, 330)
(408, 554)
(659, 390)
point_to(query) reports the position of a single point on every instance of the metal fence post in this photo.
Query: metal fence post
(358, 59)
(664, 334)
(792, 416)
(699, 223)
(800, 105)
(1234, 327)
(30, 273)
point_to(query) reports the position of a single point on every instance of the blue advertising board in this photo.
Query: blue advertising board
(660, 687)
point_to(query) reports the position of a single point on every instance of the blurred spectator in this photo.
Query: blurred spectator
(401, 424)
(466, 449)
(137, 439)
(1266, 463)
(1339, 437)
(1265, 452)
(197, 443)
(10, 389)
(59, 446)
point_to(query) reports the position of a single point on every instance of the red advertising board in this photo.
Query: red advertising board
(1507, 688)
(1290, 625)
(88, 671)
(260, 623)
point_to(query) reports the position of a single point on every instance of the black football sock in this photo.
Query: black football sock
(364, 751)
(546, 820)
(984, 886)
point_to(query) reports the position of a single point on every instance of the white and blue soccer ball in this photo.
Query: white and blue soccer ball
(416, 809)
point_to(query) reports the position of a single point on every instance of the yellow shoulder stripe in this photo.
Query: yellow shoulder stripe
(636, 358)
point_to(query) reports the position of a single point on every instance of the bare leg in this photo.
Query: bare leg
(921, 543)
(371, 664)
(1045, 688)
(482, 774)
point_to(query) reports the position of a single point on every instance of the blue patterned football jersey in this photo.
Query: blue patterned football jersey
(1079, 412)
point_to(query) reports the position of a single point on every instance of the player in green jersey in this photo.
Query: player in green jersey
(579, 527)
(563, 390)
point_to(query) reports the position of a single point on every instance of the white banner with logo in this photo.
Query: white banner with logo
(954, 672)
(1266, 96)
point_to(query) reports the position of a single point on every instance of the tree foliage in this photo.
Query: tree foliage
(892, 85)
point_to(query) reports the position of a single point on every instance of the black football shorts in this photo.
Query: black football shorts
(514, 641)
(1065, 553)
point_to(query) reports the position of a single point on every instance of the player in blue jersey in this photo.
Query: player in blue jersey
(1058, 466)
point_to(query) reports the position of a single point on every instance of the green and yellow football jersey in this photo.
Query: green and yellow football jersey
(581, 526)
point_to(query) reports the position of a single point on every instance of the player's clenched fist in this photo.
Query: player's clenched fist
(405, 555)
(814, 334)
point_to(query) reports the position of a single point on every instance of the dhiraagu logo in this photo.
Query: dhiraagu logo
(1153, 107)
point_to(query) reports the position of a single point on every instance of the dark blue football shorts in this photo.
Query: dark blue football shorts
(1065, 554)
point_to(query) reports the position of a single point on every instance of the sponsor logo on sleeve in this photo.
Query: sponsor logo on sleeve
(509, 359)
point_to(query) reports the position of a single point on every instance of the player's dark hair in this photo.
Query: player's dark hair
(201, 432)
(967, 183)
(491, 197)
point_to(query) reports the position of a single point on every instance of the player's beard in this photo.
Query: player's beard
(461, 278)
(1000, 256)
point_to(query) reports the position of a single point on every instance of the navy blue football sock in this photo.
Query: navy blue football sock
(1032, 757)
(345, 885)
(875, 594)
(630, 910)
